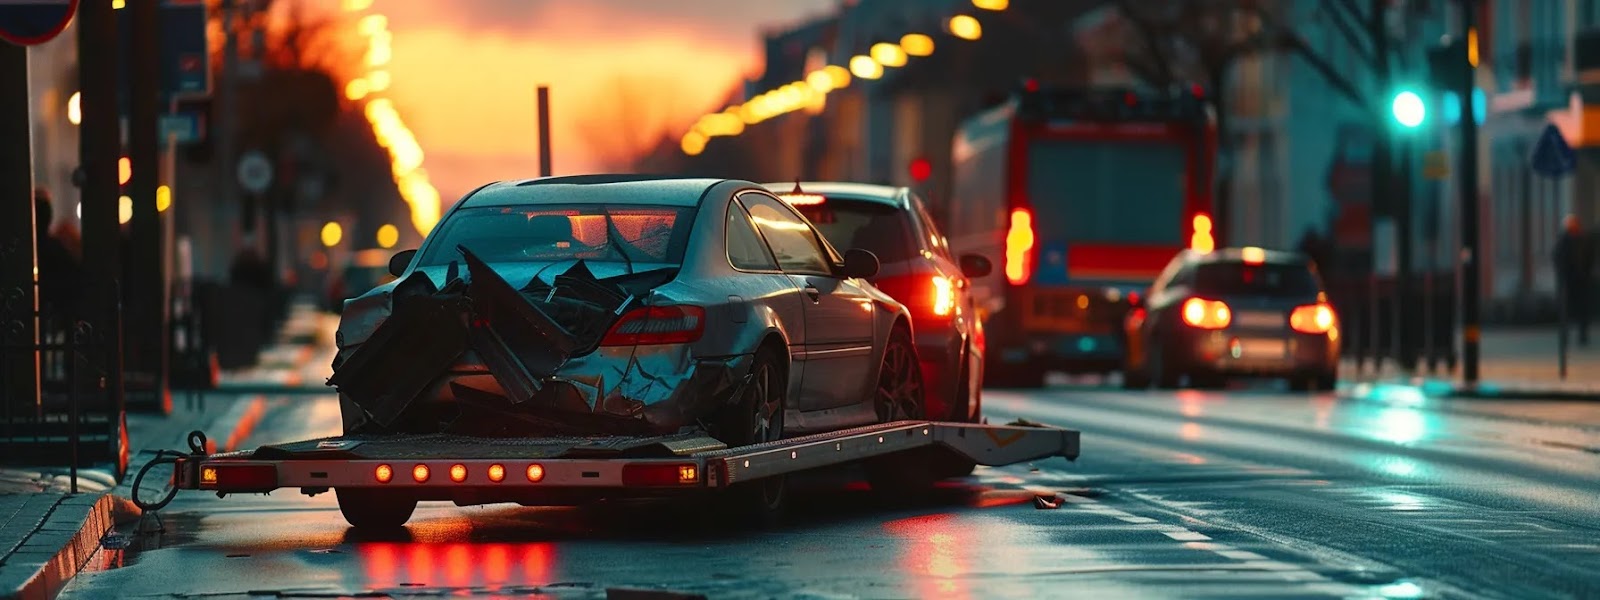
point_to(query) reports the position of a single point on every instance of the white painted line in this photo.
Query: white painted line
(1186, 536)
(1078, 499)
(1270, 565)
(1133, 519)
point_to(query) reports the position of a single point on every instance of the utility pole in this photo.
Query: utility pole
(99, 147)
(18, 296)
(544, 131)
(1470, 269)
(145, 292)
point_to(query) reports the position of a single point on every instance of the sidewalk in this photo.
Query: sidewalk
(1514, 362)
(48, 535)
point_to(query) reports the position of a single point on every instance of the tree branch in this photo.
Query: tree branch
(1336, 79)
(1362, 49)
(1160, 66)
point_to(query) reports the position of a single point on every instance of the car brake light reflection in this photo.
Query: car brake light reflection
(1206, 314)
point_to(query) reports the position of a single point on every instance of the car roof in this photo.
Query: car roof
(883, 194)
(1233, 255)
(594, 189)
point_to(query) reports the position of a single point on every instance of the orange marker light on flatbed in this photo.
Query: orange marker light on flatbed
(384, 473)
(535, 473)
(497, 473)
(458, 473)
(420, 473)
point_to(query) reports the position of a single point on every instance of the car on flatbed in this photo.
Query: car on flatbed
(918, 269)
(1234, 312)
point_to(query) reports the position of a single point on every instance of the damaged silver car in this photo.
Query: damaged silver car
(626, 305)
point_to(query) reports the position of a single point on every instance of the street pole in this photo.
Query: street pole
(1406, 356)
(19, 327)
(145, 294)
(99, 147)
(544, 131)
(1470, 269)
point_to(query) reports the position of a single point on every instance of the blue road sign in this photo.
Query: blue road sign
(182, 127)
(1552, 157)
(32, 22)
(184, 57)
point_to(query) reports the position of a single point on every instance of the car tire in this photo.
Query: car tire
(374, 510)
(899, 394)
(757, 418)
(1328, 381)
(970, 404)
(1162, 372)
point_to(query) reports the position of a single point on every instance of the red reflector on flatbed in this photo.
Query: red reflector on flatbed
(660, 474)
(238, 478)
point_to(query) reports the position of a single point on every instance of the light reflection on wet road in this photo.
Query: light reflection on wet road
(1184, 494)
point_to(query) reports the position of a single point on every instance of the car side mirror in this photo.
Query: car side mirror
(975, 265)
(860, 263)
(398, 262)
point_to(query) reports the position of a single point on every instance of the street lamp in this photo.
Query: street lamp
(388, 236)
(966, 27)
(864, 67)
(916, 44)
(75, 108)
(331, 234)
(889, 55)
(1408, 109)
(991, 4)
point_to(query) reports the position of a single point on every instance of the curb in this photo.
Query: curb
(62, 545)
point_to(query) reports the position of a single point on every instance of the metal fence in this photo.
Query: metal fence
(1416, 332)
(76, 418)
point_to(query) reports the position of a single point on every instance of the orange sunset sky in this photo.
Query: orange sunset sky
(622, 73)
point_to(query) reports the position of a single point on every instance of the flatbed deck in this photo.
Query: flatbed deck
(443, 462)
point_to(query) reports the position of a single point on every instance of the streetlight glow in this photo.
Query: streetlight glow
(966, 27)
(124, 210)
(75, 108)
(889, 55)
(331, 234)
(693, 143)
(840, 76)
(916, 44)
(163, 198)
(991, 4)
(864, 67)
(388, 236)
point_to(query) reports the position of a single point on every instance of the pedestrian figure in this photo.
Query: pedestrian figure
(1574, 265)
(60, 275)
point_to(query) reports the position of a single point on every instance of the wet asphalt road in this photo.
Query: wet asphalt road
(1245, 493)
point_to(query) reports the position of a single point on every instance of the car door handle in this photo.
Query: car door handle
(814, 293)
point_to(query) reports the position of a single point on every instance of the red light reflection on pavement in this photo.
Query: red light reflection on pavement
(455, 564)
(935, 555)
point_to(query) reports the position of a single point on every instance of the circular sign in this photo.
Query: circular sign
(255, 172)
(35, 22)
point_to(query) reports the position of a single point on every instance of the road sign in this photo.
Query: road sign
(183, 128)
(183, 53)
(255, 172)
(1436, 165)
(33, 22)
(1552, 157)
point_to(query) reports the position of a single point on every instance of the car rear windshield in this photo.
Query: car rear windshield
(872, 226)
(592, 232)
(1275, 280)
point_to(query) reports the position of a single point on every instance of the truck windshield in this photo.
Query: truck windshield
(1121, 192)
(872, 226)
(592, 232)
(1272, 280)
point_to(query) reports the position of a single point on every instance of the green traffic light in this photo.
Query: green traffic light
(1408, 109)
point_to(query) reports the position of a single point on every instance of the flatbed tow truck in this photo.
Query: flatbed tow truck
(379, 479)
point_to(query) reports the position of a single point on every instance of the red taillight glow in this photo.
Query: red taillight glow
(657, 325)
(944, 295)
(660, 474)
(420, 473)
(384, 473)
(1206, 314)
(458, 473)
(497, 473)
(1201, 240)
(1314, 319)
(1019, 247)
(239, 478)
(535, 473)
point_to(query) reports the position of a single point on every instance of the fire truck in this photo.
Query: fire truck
(1083, 195)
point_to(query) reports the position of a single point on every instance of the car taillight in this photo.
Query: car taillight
(944, 295)
(1315, 319)
(1207, 314)
(660, 474)
(657, 325)
(1019, 247)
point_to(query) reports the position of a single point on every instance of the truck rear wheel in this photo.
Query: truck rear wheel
(374, 509)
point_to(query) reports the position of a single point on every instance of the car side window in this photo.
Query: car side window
(746, 251)
(796, 245)
(1164, 280)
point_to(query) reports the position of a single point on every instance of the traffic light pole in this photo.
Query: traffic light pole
(144, 290)
(544, 131)
(1470, 227)
(99, 147)
(18, 327)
